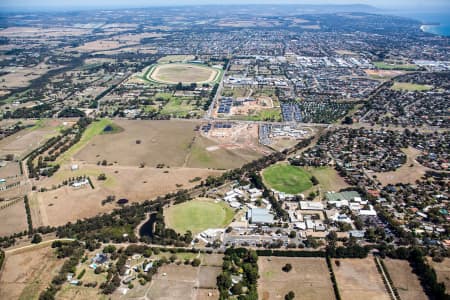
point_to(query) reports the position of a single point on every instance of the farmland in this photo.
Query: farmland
(59, 206)
(309, 278)
(27, 273)
(286, 178)
(359, 279)
(12, 218)
(198, 215)
(406, 282)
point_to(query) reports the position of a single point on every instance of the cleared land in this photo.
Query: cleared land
(407, 173)
(174, 282)
(13, 218)
(359, 279)
(172, 143)
(57, 207)
(329, 178)
(27, 273)
(406, 282)
(442, 271)
(198, 215)
(286, 178)
(185, 73)
(160, 142)
(308, 279)
(175, 58)
(412, 87)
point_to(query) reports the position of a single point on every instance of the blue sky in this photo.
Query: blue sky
(397, 4)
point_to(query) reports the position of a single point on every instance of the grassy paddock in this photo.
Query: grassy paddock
(198, 215)
(93, 129)
(286, 178)
(406, 86)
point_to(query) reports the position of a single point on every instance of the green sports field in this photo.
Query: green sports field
(286, 178)
(198, 215)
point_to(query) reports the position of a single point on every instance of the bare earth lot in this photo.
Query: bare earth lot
(359, 279)
(27, 273)
(308, 279)
(406, 282)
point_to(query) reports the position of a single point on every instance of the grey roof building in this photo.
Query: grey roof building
(260, 216)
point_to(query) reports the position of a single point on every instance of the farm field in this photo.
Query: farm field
(406, 282)
(173, 73)
(198, 215)
(407, 173)
(185, 147)
(173, 282)
(13, 218)
(95, 128)
(161, 142)
(57, 207)
(359, 279)
(286, 178)
(442, 271)
(309, 278)
(27, 273)
(406, 86)
(24, 141)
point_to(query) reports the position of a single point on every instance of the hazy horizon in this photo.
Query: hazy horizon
(408, 5)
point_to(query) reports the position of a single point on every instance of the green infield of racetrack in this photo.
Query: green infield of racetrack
(198, 215)
(286, 178)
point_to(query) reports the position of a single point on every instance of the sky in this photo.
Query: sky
(386, 4)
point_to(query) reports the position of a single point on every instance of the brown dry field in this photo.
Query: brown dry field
(65, 204)
(308, 279)
(175, 144)
(27, 273)
(404, 174)
(207, 153)
(442, 271)
(406, 282)
(26, 140)
(21, 32)
(359, 279)
(11, 170)
(115, 42)
(383, 73)
(181, 282)
(165, 142)
(21, 77)
(13, 219)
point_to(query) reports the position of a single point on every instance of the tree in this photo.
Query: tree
(36, 238)
(196, 262)
(102, 176)
(289, 296)
(237, 289)
(287, 268)
(314, 180)
(292, 234)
